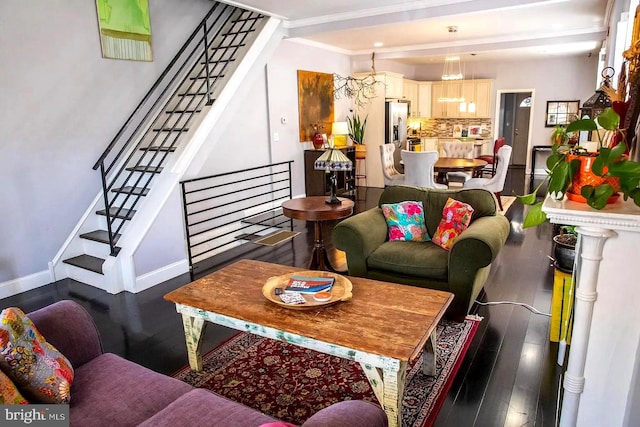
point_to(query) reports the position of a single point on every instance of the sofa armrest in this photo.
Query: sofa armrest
(70, 328)
(349, 413)
(360, 235)
(474, 249)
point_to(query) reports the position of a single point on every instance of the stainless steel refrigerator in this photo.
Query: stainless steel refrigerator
(395, 115)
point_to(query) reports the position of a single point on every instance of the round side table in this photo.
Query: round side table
(315, 209)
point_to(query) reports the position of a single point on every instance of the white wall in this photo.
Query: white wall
(61, 103)
(283, 99)
(245, 141)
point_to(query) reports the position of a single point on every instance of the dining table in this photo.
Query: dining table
(450, 164)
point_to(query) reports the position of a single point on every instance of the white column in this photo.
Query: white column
(591, 243)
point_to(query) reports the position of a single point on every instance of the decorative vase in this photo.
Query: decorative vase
(584, 176)
(317, 140)
(361, 151)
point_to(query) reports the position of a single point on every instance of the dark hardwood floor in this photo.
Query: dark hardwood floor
(509, 376)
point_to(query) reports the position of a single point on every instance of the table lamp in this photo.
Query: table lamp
(331, 161)
(340, 130)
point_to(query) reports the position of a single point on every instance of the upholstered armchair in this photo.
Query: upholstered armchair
(461, 270)
(389, 172)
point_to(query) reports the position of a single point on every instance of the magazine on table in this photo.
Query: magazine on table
(309, 285)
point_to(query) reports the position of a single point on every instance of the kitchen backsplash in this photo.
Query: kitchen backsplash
(444, 128)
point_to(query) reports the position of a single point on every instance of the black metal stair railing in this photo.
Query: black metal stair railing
(225, 211)
(156, 126)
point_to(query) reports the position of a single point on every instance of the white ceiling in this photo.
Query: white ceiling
(416, 32)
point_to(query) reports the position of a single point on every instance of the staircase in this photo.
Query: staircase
(151, 151)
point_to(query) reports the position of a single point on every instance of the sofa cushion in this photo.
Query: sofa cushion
(203, 408)
(405, 221)
(39, 370)
(9, 393)
(456, 217)
(111, 391)
(417, 259)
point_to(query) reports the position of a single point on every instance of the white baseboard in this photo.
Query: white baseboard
(160, 275)
(23, 284)
(146, 281)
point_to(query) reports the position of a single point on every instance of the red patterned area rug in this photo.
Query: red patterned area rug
(292, 383)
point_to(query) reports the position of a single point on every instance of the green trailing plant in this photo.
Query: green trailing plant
(357, 128)
(610, 162)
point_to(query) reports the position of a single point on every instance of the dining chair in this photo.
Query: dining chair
(418, 168)
(389, 172)
(494, 184)
(458, 150)
(491, 158)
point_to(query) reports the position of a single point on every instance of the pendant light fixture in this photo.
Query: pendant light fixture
(472, 105)
(452, 69)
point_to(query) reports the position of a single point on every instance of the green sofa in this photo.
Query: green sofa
(461, 271)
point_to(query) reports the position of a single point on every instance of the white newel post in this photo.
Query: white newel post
(591, 243)
(605, 341)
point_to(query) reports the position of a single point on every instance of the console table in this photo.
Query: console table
(534, 151)
(316, 182)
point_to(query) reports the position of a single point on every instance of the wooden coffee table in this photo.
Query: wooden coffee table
(315, 209)
(383, 327)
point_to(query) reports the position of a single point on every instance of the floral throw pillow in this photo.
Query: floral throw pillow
(456, 217)
(36, 367)
(9, 394)
(405, 221)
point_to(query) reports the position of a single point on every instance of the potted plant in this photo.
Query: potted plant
(564, 248)
(356, 133)
(612, 170)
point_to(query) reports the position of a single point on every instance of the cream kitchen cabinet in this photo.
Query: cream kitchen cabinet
(419, 94)
(484, 91)
(393, 84)
(410, 93)
(478, 91)
(424, 99)
(442, 109)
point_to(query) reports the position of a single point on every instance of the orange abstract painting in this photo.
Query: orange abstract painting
(315, 103)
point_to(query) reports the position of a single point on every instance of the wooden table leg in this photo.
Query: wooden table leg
(318, 253)
(319, 257)
(194, 328)
(429, 355)
(388, 386)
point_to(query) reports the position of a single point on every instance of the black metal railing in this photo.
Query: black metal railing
(226, 210)
(156, 127)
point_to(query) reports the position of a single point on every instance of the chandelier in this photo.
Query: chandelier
(452, 69)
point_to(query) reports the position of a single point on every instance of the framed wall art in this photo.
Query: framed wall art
(561, 113)
(125, 29)
(315, 103)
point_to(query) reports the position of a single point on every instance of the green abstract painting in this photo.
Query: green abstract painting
(125, 29)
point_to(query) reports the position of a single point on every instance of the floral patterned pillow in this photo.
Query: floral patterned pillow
(456, 217)
(39, 370)
(9, 394)
(405, 221)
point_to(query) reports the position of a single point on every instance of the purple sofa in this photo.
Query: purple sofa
(110, 391)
